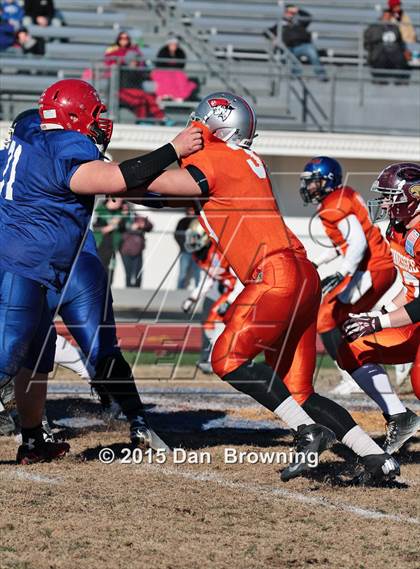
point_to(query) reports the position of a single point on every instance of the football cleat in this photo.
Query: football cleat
(399, 429)
(41, 452)
(46, 427)
(346, 386)
(7, 395)
(377, 468)
(308, 440)
(144, 437)
(205, 367)
(7, 425)
(402, 372)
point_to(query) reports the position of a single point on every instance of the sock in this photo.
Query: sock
(292, 414)
(375, 383)
(329, 413)
(360, 442)
(32, 435)
(260, 382)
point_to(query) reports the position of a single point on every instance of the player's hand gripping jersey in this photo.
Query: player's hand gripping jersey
(281, 286)
(368, 264)
(393, 345)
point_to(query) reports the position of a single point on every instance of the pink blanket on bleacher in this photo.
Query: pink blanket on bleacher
(172, 83)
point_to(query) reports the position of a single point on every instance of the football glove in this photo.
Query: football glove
(188, 305)
(363, 324)
(330, 282)
(223, 308)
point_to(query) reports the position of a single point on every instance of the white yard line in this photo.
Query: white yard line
(262, 490)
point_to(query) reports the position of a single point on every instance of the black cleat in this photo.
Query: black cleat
(144, 437)
(41, 452)
(308, 440)
(399, 429)
(378, 468)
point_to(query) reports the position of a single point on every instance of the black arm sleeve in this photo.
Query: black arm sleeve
(143, 169)
(200, 178)
(413, 309)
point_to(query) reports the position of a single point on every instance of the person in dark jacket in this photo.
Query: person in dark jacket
(41, 12)
(172, 54)
(386, 48)
(297, 38)
(28, 44)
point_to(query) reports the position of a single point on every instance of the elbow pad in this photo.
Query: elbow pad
(143, 169)
(413, 310)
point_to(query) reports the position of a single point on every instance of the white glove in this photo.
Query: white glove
(188, 305)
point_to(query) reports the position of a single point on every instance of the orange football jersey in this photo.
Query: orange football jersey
(241, 213)
(405, 249)
(216, 267)
(338, 205)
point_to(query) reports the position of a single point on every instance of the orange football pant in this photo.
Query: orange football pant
(333, 313)
(390, 346)
(275, 313)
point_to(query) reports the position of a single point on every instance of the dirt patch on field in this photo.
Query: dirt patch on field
(80, 513)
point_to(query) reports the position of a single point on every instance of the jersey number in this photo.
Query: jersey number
(9, 173)
(256, 164)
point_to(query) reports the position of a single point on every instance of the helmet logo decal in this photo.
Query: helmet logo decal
(221, 108)
(49, 113)
(415, 191)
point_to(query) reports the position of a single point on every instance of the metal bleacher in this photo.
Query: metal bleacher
(227, 48)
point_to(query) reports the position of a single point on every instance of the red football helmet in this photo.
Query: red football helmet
(73, 104)
(399, 185)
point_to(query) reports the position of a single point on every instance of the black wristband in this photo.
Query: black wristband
(143, 169)
(413, 310)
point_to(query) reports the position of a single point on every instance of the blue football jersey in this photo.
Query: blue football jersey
(42, 222)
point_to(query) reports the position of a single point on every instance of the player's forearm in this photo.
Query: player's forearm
(403, 316)
(397, 301)
(353, 233)
(131, 176)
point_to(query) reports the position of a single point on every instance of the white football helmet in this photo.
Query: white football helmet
(228, 117)
(195, 237)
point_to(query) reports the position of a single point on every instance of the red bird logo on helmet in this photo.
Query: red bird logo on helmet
(221, 108)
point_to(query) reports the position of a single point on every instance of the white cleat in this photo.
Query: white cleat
(346, 387)
(205, 367)
(144, 437)
(402, 371)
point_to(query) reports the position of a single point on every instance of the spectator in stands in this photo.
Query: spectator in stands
(297, 38)
(132, 76)
(188, 268)
(400, 17)
(13, 13)
(41, 13)
(172, 54)
(386, 49)
(132, 246)
(171, 82)
(7, 33)
(123, 46)
(109, 225)
(27, 44)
